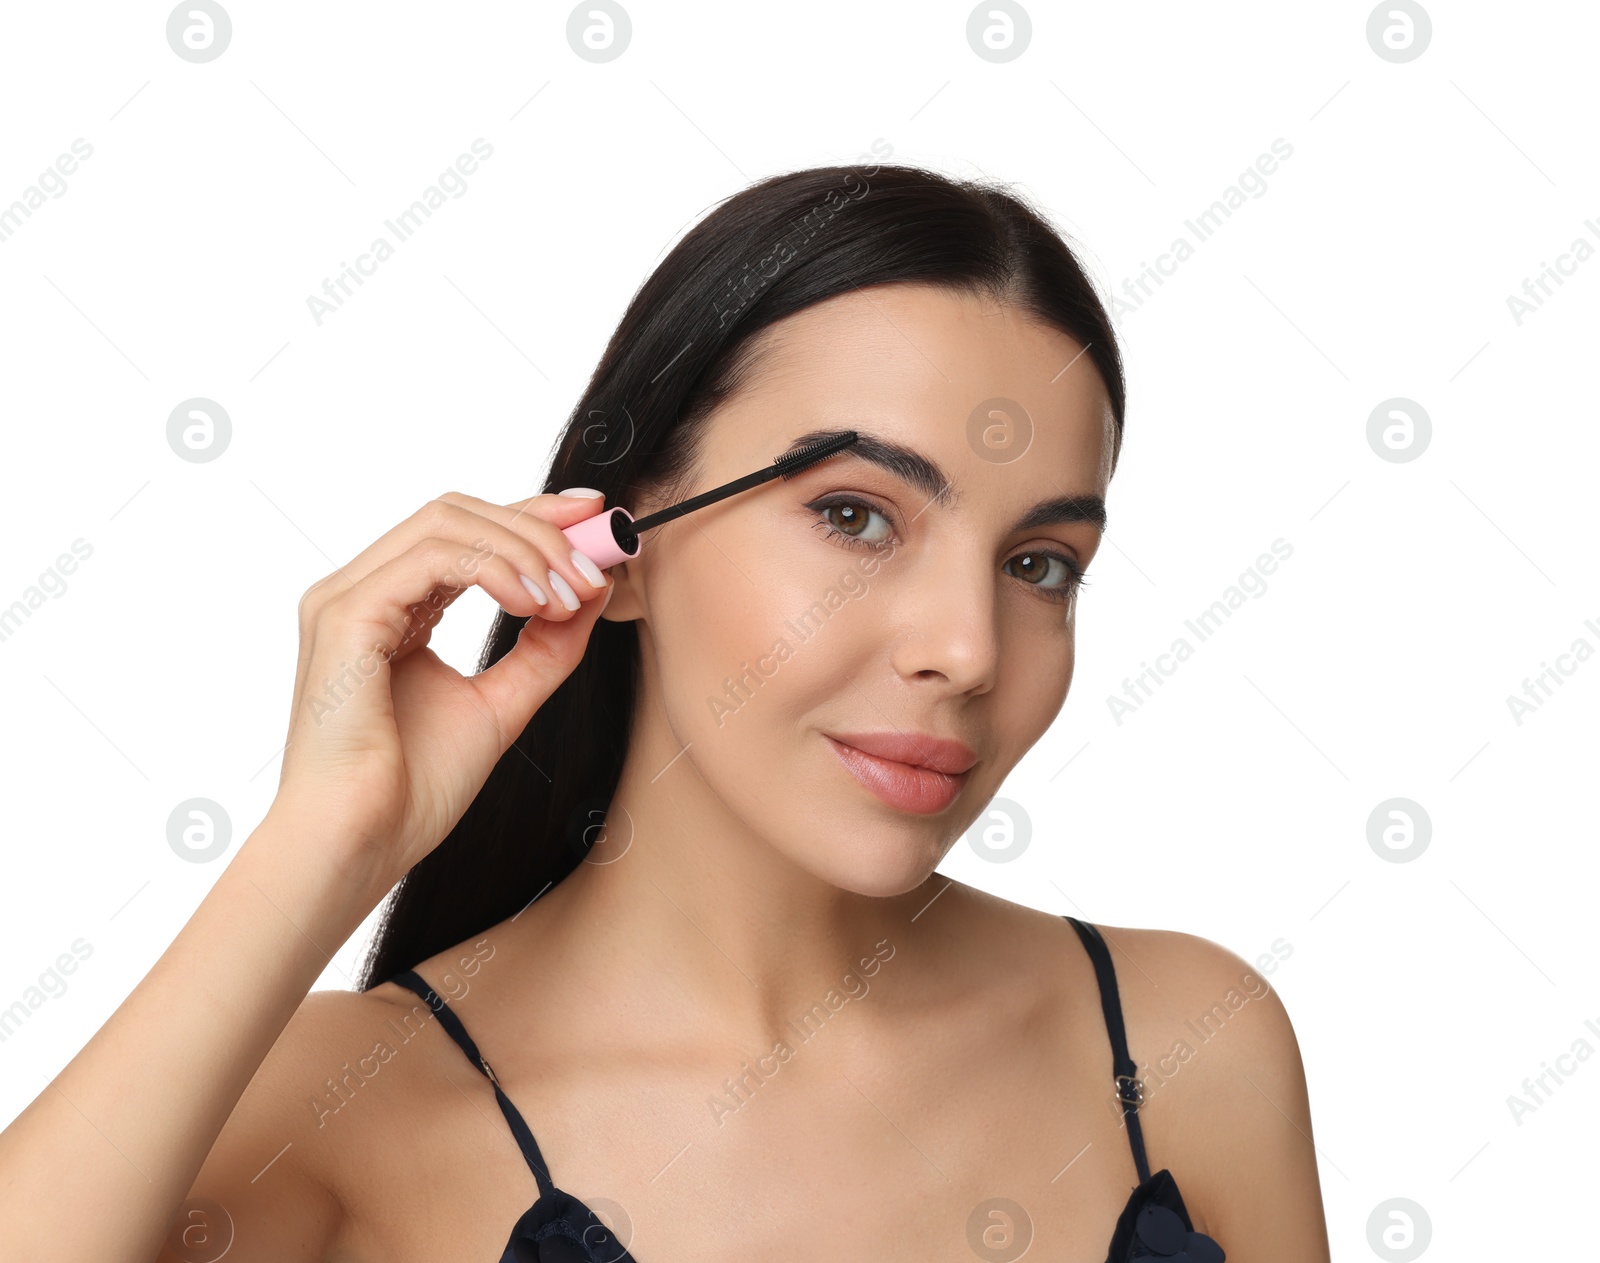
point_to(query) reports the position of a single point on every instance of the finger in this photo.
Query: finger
(432, 520)
(392, 543)
(469, 519)
(393, 610)
(553, 507)
(449, 516)
(543, 519)
(542, 552)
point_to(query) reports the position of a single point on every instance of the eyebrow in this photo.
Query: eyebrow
(924, 473)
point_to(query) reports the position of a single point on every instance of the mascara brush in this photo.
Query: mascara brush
(613, 536)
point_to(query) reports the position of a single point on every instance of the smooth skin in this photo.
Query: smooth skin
(742, 878)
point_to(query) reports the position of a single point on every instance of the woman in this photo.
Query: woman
(666, 864)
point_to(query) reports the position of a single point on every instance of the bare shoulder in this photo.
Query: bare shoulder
(276, 1182)
(1226, 1107)
(1189, 1002)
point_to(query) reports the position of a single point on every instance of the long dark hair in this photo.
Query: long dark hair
(686, 343)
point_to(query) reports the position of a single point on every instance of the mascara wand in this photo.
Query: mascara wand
(613, 536)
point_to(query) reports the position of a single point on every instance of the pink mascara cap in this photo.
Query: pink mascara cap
(606, 538)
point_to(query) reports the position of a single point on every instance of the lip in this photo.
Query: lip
(915, 781)
(919, 749)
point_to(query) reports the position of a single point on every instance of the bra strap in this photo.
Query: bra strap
(452, 1024)
(1129, 1088)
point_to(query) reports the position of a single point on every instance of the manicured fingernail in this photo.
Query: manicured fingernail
(534, 588)
(588, 569)
(580, 493)
(563, 589)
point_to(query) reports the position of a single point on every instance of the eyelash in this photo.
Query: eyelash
(1059, 596)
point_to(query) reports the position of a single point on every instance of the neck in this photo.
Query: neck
(684, 918)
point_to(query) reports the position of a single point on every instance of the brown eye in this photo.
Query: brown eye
(1031, 566)
(1034, 569)
(849, 521)
(847, 518)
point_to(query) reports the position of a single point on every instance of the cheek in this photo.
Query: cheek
(752, 632)
(1034, 679)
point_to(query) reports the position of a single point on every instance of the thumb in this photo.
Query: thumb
(544, 655)
(563, 510)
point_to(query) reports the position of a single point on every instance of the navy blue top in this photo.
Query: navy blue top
(558, 1228)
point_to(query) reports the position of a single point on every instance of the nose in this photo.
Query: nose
(944, 606)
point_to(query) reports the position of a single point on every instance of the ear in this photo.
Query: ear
(627, 595)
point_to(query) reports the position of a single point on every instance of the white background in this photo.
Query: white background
(1232, 804)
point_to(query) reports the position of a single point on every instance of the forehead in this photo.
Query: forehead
(998, 399)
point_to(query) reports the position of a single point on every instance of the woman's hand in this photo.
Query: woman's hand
(387, 744)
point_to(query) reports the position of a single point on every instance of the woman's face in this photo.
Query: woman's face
(888, 589)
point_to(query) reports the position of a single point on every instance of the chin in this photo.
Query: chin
(881, 869)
